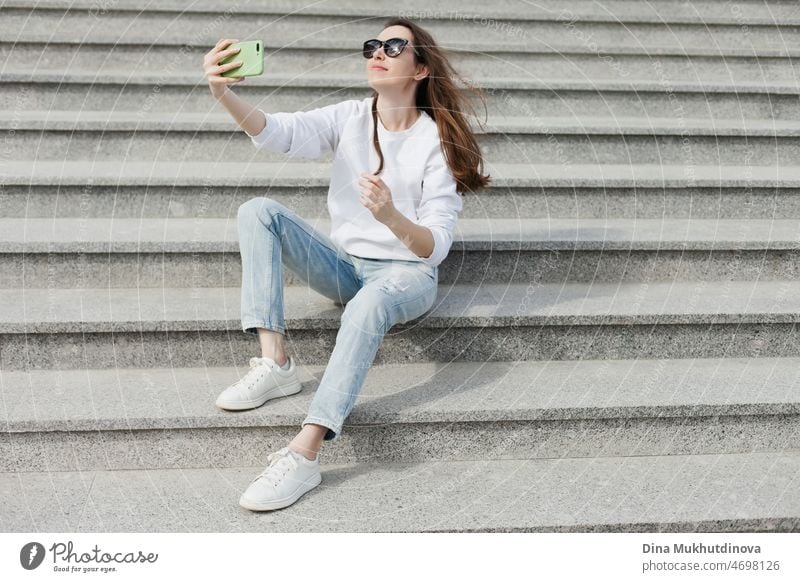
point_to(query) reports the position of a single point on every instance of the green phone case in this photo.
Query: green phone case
(251, 55)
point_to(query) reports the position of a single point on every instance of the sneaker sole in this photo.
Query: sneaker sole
(301, 490)
(276, 392)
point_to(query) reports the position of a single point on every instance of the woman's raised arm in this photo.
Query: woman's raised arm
(249, 118)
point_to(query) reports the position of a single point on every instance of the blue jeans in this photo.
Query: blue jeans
(375, 293)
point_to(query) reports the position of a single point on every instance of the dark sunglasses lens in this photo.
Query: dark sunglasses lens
(370, 47)
(394, 46)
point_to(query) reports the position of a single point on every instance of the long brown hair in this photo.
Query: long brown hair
(439, 97)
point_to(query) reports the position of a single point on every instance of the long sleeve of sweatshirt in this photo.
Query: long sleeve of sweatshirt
(423, 187)
(439, 207)
(304, 134)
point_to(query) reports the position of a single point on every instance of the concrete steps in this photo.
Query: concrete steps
(70, 136)
(289, 30)
(193, 252)
(555, 96)
(125, 189)
(192, 190)
(150, 418)
(614, 344)
(188, 173)
(748, 492)
(661, 11)
(477, 61)
(157, 327)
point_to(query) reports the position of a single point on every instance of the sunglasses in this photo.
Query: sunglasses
(392, 47)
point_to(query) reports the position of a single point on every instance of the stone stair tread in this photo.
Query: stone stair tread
(191, 235)
(183, 397)
(710, 492)
(317, 174)
(344, 81)
(106, 121)
(530, 47)
(585, 10)
(461, 305)
(609, 11)
(520, 44)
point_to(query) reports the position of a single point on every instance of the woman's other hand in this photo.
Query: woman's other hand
(376, 196)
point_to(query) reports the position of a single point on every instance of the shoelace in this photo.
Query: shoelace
(276, 461)
(254, 373)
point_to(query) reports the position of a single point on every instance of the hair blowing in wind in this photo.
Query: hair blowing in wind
(438, 95)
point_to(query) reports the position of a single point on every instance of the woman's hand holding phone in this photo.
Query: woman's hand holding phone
(243, 60)
(213, 70)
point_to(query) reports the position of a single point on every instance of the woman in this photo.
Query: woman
(389, 231)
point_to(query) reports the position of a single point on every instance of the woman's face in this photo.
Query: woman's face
(399, 71)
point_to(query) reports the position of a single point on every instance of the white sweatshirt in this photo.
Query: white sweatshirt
(422, 185)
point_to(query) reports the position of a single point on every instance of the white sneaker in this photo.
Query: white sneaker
(265, 380)
(283, 482)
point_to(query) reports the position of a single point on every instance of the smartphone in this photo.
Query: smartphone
(251, 55)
